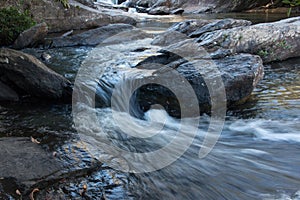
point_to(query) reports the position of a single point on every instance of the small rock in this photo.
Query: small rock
(45, 56)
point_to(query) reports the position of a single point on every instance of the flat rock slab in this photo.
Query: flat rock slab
(25, 161)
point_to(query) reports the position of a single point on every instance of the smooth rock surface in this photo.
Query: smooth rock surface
(25, 161)
(31, 37)
(26, 75)
(272, 41)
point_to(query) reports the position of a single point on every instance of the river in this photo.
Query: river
(256, 156)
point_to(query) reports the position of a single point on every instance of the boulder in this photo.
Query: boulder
(184, 65)
(27, 76)
(31, 37)
(240, 74)
(272, 41)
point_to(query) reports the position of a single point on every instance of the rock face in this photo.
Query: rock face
(31, 37)
(26, 75)
(78, 16)
(197, 6)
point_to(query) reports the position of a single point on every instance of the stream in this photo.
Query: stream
(256, 156)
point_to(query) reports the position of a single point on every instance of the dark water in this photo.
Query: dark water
(256, 157)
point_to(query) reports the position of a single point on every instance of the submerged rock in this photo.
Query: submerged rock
(31, 37)
(26, 75)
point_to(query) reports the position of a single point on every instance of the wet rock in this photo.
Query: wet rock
(91, 37)
(184, 66)
(31, 37)
(7, 94)
(26, 75)
(240, 74)
(25, 161)
(272, 41)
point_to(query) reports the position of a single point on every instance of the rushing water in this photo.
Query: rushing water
(256, 157)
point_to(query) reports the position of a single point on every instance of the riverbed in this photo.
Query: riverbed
(256, 156)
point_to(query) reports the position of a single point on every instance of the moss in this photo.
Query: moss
(263, 53)
(12, 23)
(65, 3)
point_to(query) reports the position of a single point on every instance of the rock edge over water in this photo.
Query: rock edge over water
(25, 75)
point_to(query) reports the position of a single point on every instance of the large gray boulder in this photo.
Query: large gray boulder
(27, 76)
(272, 41)
(31, 37)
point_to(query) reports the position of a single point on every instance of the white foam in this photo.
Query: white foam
(272, 130)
